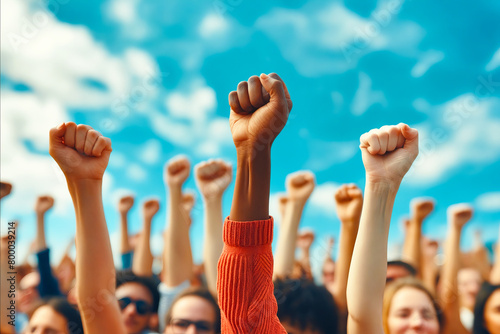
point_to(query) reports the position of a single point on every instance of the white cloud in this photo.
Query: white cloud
(365, 96)
(425, 62)
(125, 13)
(489, 201)
(494, 63)
(136, 172)
(323, 154)
(150, 152)
(322, 198)
(194, 105)
(213, 25)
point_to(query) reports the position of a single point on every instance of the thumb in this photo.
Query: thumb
(56, 134)
(410, 134)
(274, 87)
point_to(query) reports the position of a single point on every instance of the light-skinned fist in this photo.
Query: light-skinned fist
(177, 171)
(349, 201)
(150, 208)
(80, 151)
(389, 152)
(305, 239)
(5, 189)
(421, 208)
(213, 177)
(187, 201)
(282, 202)
(43, 204)
(259, 111)
(299, 186)
(125, 204)
(459, 214)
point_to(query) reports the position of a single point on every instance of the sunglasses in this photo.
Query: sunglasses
(180, 326)
(141, 306)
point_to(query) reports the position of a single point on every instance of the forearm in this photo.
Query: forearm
(285, 248)
(212, 243)
(348, 233)
(365, 288)
(251, 190)
(95, 271)
(305, 261)
(124, 242)
(429, 272)
(495, 271)
(178, 260)
(143, 259)
(40, 243)
(411, 248)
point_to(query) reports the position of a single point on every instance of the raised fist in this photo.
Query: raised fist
(299, 186)
(125, 204)
(259, 110)
(43, 204)
(5, 189)
(389, 152)
(349, 200)
(177, 171)
(150, 208)
(282, 200)
(187, 201)
(421, 208)
(459, 214)
(305, 239)
(213, 177)
(80, 151)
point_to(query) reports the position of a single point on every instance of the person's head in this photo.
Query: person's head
(487, 310)
(194, 311)
(469, 281)
(305, 308)
(138, 299)
(399, 269)
(54, 315)
(328, 274)
(408, 306)
(28, 294)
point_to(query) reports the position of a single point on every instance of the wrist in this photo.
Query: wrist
(212, 200)
(388, 187)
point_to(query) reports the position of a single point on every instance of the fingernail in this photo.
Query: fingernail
(263, 76)
(60, 126)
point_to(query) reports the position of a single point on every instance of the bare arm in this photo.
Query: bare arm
(458, 215)
(177, 257)
(495, 271)
(212, 179)
(142, 265)
(429, 268)
(305, 240)
(43, 204)
(124, 206)
(387, 155)
(299, 187)
(83, 154)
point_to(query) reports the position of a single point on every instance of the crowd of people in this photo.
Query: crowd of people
(241, 287)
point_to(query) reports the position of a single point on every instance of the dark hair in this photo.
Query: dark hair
(405, 265)
(304, 304)
(150, 283)
(482, 297)
(203, 294)
(64, 308)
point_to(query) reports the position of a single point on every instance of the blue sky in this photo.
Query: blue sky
(154, 76)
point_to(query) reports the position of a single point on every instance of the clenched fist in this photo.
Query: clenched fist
(5, 189)
(349, 200)
(43, 204)
(459, 214)
(125, 204)
(213, 177)
(305, 239)
(80, 151)
(421, 208)
(259, 111)
(389, 152)
(150, 208)
(177, 171)
(299, 186)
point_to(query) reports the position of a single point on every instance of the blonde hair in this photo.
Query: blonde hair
(407, 282)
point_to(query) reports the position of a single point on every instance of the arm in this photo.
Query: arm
(420, 209)
(65, 270)
(245, 287)
(212, 179)
(458, 215)
(143, 259)
(387, 155)
(83, 154)
(177, 258)
(49, 286)
(495, 271)
(126, 248)
(480, 254)
(429, 269)
(300, 186)
(349, 201)
(305, 240)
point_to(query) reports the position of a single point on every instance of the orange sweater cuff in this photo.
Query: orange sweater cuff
(248, 233)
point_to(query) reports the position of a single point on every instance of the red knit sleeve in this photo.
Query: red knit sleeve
(244, 284)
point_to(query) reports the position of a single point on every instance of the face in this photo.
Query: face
(469, 283)
(134, 321)
(47, 321)
(296, 330)
(192, 309)
(492, 313)
(411, 311)
(328, 272)
(395, 272)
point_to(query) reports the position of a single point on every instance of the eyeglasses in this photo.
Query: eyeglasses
(180, 326)
(141, 306)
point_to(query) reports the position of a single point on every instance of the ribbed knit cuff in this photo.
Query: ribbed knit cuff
(249, 233)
